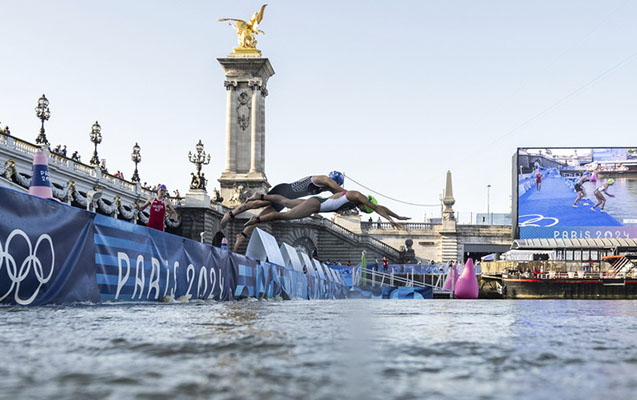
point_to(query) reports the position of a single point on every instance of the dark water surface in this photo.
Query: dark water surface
(351, 349)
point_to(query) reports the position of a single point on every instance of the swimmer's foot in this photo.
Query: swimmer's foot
(252, 221)
(226, 219)
(238, 239)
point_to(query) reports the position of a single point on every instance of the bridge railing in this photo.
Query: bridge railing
(28, 148)
(371, 277)
(408, 226)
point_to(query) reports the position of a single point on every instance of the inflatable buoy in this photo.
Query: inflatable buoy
(467, 284)
(40, 181)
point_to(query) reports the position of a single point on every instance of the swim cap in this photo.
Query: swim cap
(372, 200)
(611, 181)
(162, 186)
(337, 177)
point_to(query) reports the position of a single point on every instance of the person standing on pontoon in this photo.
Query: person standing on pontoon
(600, 197)
(579, 187)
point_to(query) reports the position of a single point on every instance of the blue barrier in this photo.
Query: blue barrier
(51, 253)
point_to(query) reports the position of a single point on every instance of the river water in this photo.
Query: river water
(352, 349)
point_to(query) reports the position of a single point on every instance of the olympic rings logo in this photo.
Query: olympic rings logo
(538, 220)
(19, 275)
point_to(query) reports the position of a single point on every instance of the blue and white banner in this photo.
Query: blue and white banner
(137, 263)
(54, 253)
(45, 251)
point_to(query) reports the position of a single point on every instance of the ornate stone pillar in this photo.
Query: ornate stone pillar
(246, 81)
(449, 244)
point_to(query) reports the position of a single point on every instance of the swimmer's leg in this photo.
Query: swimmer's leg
(249, 205)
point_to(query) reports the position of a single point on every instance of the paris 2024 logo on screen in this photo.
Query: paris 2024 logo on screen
(577, 193)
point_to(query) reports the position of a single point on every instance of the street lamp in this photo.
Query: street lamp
(137, 158)
(488, 206)
(96, 138)
(201, 158)
(43, 112)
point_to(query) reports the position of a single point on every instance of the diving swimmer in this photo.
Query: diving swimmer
(345, 200)
(307, 186)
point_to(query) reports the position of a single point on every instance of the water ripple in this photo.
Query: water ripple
(322, 350)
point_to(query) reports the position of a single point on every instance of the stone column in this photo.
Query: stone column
(253, 130)
(230, 158)
(246, 81)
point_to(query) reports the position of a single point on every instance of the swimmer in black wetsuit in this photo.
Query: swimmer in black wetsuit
(307, 186)
(346, 200)
(579, 188)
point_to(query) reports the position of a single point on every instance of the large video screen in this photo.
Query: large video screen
(576, 193)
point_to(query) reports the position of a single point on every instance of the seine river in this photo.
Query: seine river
(347, 349)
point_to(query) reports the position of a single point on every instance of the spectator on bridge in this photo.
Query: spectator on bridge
(63, 151)
(345, 200)
(158, 207)
(385, 264)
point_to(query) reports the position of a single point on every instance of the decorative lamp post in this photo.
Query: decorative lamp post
(201, 158)
(43, 113)
(137, 158)
(96, 138)
(488, 205)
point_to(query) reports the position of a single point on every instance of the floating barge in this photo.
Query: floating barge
(580, 269)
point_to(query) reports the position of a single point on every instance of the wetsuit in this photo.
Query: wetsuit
(295, 190)
(337, 205)
(578, 185)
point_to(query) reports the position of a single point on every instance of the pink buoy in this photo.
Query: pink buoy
(40, 180)
(467, 284)
(453, 272)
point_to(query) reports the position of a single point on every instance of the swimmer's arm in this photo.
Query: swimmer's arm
(393, 214)
(141, 208)
(170, 206)
(328, 182)
(378, 209)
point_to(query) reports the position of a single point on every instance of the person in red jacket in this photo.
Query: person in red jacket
(538, 181)
(158, 207)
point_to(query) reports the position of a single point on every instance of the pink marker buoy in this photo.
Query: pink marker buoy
(40, 180)
(467, 284)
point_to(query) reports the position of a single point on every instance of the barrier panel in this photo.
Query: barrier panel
(54, 253)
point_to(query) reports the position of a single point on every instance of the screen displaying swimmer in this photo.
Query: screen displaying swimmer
(576, 193)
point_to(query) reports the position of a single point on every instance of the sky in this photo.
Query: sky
(392, 93)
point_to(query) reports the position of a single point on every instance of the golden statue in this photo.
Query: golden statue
(247, 31)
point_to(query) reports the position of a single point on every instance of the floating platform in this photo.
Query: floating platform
(546, 286)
